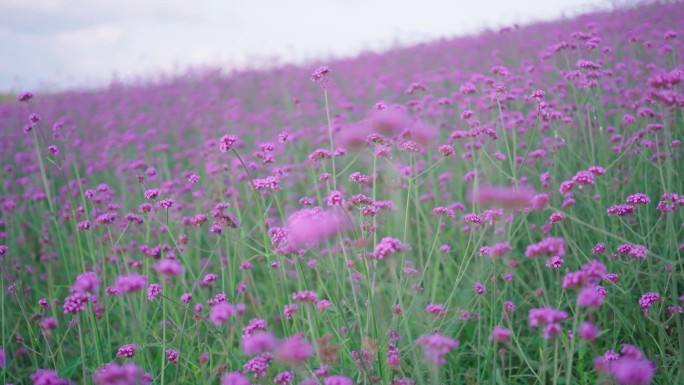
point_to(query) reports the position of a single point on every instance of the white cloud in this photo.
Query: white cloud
(90, 37)
(33, 5)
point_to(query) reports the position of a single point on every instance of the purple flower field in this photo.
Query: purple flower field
(506, 208)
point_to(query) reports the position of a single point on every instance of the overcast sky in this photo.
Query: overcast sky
(56, 44)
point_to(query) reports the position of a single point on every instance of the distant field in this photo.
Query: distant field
(503, 208)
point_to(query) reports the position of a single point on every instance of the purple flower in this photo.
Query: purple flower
(259, 342)
(319, 75)
(169, 267)
(311, 226)
(153, 291)
(588, 331)
(599, 249)
(127, 351)
(638, 199)
(283, 378)
(76, 303)
(338, 380)
(293, 350)
(629, 371)
(115, 374)
(436, 347)
(85, 283)
(25, 96)
(47, 377)
(227, 142)
(647, 300)
(152, 193)
(621, 210)
(258, 365)
(388, 246)
(234, 378)
(172, 356)
(500, 334)
(545, 315)
(130, 283)
(221, 312)
(289, 310)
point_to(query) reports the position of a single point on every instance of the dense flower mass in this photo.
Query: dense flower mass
(503, 208)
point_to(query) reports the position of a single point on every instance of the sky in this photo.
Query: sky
(50, 45)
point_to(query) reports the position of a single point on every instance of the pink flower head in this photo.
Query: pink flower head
(152, 193)
(85, 283)
(48, 324)
(436, 309)
(583, 178)
(556, 217)
(509, 306)
(631, 351)
(621, 210)
(221, 312)
(566, 186)
(479, 288)
(227, 142)
(638, 251)
(234, 378)
(130, 283)
(289, 310)
(259, 342)
(169, 267)
(76, 303)
(153, 291)
(589, 297)
(25, 96)
(323, 304)
(500, 334)
(127, 351)
(573, 279)
(599, 249)
(638, 199)
(588, 331)
(293, 350)
(115, 374)
(506, 197)
(305, 296)
(630, 371)
(258, 365)
(436, 347)
(555, 262)
(549, 246)
(335, 198)
(172, 356)
(446, 150)
(338, 380)
(647, 300)
(310, 226)
(544, 316)
(47, 377)
(283, 378)
(388, 246)
(319, 75)
(472, 218)
(389, 122)
(254, 325)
